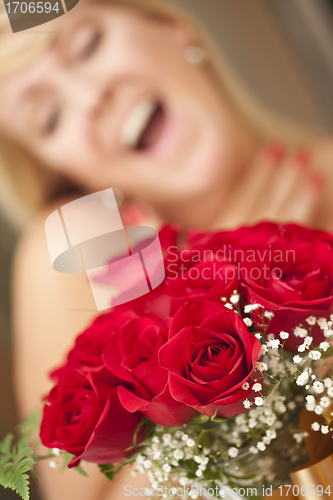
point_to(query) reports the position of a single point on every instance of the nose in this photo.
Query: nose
(79, 93)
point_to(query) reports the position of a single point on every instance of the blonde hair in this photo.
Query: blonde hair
(25, 185)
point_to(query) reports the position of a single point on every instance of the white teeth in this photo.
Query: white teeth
(137, 122)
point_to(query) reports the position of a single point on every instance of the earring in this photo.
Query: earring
(194, 55)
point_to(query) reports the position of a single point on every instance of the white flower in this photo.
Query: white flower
(166, 438)
(245, 386)
(291, 405)
(310, 399)
(178, 454)
(324, 429)
(253, 450)
(147, 464)
(315, 355)
(53, 464)
(258, 336)
(324, 346)
(184, 437)
(259, 401)
(308, 341)
(234, 299)
(263, 350)
(328, 382)
(261, 446)
(274, 343)
(301, 348)
(199, 473)
(257, 387)
(248, 321)
(331, 317)
(297, 359)
(190, 442)
(166, 468)
(183, 481)
(269, 314)
(318, 387)
(271, 434)
(56, 452)
(318, 410)
(300, 332)
(229, 306)
(328, 333)
(330, 392)
(315, 426)
(311, 320)
(261, 366)
(252, 423)
(247, 404)
(325, 402)
(322, 322)
(233, 452)
(302, 379)
(284, 335)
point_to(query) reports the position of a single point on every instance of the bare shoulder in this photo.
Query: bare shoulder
(49, 311)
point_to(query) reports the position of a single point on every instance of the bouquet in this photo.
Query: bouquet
(200, 383)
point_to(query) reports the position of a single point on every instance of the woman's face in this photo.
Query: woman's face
(113, 103)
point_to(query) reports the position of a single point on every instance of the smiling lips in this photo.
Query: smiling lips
(144, 126)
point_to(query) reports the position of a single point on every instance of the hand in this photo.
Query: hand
(278, 186)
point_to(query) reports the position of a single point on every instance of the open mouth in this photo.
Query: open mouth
(143, 128)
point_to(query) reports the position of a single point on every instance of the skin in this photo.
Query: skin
(212, 170)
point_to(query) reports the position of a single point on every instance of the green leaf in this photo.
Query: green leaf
(15, 462)
(108, 470)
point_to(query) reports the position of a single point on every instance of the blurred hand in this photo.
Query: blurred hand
(279, 186)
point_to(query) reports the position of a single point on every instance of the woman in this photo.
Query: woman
(135, 99)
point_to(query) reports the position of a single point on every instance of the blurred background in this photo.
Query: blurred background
(282, 51)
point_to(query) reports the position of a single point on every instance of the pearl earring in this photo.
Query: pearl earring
(194, 55)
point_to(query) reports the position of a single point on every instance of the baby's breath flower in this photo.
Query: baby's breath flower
(324, 429)
(302, 379)
(269, 314)
(247, 404)
(245, 386)
(261, 366)
(322, 322)
(308, 341)
(56, 452)
(166, 468)
(234, 299)
(178, 454)
(318, 410)
(315, 426)
(301, 348)
(325, 402)
(248, 321)
(300, 332)
(147, 464)
(318, 387)
(328, 382)
(324, 346)
(233, 452)
(330, 392)
(261, 446)
(263, 350)
(328, 333)
(297, 359)
(229, 306)
(284, 335)
(311, 320)
(274, 343)
(257, 387)
(258, 335)
(53, 464)
(315, 355)
(259, 401)
(190, 442)
(199, 473)
(253, 450)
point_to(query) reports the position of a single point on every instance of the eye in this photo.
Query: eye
(91, 45)
(51, 123)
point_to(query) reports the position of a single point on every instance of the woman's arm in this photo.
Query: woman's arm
(49, 311)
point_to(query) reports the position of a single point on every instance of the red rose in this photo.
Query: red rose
(87, 352)
(132, 355)
(84, 417)
(209, 280)
(210, 354)
(295, 281)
